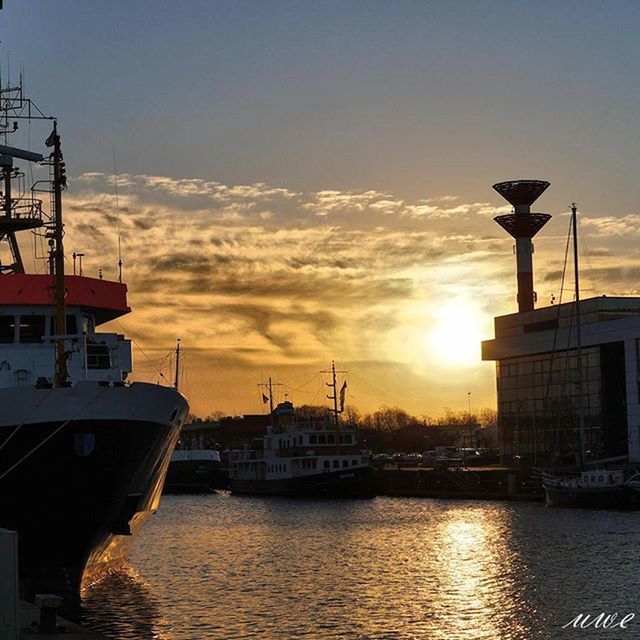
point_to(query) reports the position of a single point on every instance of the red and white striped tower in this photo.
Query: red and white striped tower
(523, 225)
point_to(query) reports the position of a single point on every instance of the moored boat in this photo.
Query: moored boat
(83, 452)
(303, 458)
(195, 471)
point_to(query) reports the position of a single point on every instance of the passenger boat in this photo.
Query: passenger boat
(83, 452)
(303, 458)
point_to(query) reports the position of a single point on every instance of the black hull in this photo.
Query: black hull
(348, 483)
(195, 476)
(596, 498)
(78, 501)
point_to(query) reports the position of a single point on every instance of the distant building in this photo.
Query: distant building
(537, 379)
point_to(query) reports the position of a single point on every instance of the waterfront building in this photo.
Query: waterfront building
(537, 379)
(542, 390)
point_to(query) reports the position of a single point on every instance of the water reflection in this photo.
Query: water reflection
(122, 606)
(220, 567)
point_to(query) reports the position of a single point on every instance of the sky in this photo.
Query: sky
(301, 182)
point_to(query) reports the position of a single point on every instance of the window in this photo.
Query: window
(72, 325)
(7, 326)
(345, 463)
(313, 439)
(321, 439)
(336, 464)
(98, 356)
(31, 329)
(330, 439)
(326, 464)
(354, 463)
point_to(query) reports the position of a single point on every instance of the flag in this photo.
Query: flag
(342, 392)
(51, 140)
(265, 399)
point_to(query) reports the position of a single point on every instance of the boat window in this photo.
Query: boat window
(354, 463)
(321, 439)
(98, 356)
(7, 326)
(326, 464)
(31, 328)
(313, 439)
(336, 464)
(345, 463)
(72, 326)
(330, 439)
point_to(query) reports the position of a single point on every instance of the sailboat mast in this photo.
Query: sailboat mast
(59, 291)
(574, 224)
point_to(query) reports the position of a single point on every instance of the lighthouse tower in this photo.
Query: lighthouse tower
(523, 225)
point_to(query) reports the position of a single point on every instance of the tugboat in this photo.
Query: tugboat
(313, 458)
(83, 452)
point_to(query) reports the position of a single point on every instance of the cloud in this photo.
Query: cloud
(254, 276)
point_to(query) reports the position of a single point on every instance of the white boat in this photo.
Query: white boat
(310, 458)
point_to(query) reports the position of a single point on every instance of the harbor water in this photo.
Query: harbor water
(221, 567)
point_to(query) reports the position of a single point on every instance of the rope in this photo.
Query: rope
(53, 433)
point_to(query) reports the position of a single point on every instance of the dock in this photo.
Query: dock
(30, 617)
(475, 483)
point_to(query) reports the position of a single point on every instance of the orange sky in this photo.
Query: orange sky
(259, 281)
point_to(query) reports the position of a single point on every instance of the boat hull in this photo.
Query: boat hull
(589, 498)
(195, 476)
(84, 483)
(347, 483)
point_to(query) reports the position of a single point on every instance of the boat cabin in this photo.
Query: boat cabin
(27, 334)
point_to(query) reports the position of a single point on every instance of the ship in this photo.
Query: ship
(83, 451)
(312, 458)
(195, 470)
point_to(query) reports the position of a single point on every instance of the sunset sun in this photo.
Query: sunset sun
(455, 336)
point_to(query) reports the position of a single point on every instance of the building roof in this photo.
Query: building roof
(603, 319)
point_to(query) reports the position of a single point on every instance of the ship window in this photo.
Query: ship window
(347, 439)
(321, 439)
(326, 464)
(330, 440)
(72, 325)
(7, 325)
(31, 328)
(354, 463)
(313, 439)
(98, 356)
(336, 464)
(345, 463)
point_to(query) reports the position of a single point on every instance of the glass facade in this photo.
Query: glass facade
(538, 403)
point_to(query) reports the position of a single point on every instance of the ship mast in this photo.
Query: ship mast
(59, 289)
(336, 411)
(574, 225)
(177, 378)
